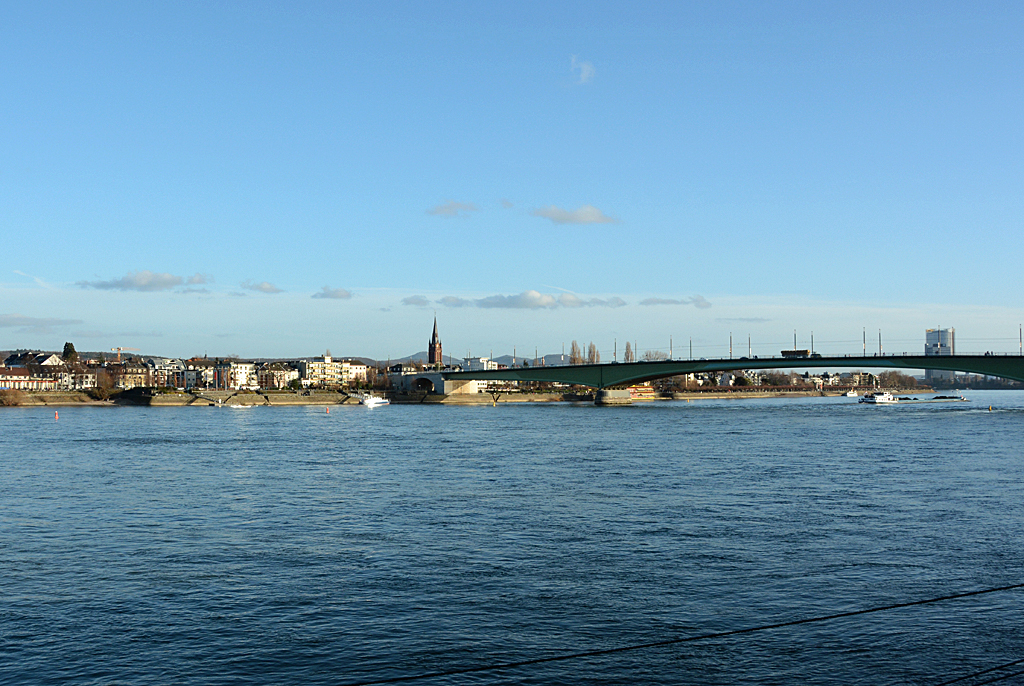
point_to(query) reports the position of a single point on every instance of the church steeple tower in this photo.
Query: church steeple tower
(434, 347)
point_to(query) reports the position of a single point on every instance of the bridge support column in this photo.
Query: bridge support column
(612, 397)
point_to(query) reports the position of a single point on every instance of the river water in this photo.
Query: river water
(292, 545)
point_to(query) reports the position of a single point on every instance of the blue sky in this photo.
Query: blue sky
(272, 179)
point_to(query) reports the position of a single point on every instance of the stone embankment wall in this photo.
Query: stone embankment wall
(201, 398)
(43, 398)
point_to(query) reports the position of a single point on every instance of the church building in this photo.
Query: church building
(434, 347)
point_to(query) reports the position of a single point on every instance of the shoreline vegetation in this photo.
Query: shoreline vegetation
(157, 398)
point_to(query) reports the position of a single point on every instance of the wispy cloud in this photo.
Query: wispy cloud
(697, 301)
(453, 209)
(573, 300)
(415, 301)
(199, 279)
(39, 282)
(583, 70)
(743, 320)
(261, 287)
(194, 290)
(145, 281)
(333, 293)
(507, 204)
(586, 214)
(527, 300)
(531, 300)
(34, 324)
(452, 301)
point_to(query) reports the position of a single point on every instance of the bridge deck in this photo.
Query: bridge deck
(626, 374)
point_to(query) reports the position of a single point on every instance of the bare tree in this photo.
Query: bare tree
(654, 356)
(628, 356)
(575, 354)
(593, 356)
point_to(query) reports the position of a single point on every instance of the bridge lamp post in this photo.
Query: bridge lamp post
(730, 345)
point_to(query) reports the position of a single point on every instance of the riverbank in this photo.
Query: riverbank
(148, 398)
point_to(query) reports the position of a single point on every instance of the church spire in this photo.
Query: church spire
(434, 355)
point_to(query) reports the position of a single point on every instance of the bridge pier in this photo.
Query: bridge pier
(606, 396)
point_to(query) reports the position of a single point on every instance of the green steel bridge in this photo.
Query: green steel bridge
(622, 374)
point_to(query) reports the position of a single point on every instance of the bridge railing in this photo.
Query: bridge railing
(788, 358)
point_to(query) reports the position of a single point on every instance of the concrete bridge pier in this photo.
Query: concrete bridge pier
(606, 396)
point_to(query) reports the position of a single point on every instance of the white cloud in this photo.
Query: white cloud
(586, 214)
(262, 287)
(453, 209)
(531, 300)
(452, 301)
(333, 293)
(584, 70)
(415, 301)
(697, 301)
(144, 280)
(34, 324)
(527, 300)
(573, 300)
(507, 204)
(199, 279)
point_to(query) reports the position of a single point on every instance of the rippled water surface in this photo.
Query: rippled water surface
(291, 545)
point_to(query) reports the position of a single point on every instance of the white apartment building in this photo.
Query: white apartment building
(320, 372)
(479, 364)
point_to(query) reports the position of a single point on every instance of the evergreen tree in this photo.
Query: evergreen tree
(69, 354)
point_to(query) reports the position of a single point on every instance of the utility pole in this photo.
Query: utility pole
(670, 347)
(812, 342)
(730, 345)
(864, 344)
(615, 350)
(879, 342)
(794, 339)
(749, 349)
(691, 347)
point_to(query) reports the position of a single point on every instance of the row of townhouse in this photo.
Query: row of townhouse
(46, 372)
(232, 374)
(34, 371)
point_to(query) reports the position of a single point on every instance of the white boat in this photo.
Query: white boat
(372, 400)
(879, 398)
(851, 393)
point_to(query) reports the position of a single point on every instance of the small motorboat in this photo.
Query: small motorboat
(372, 400)
(851, 393)
(879, 399)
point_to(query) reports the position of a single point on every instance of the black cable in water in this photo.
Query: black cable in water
(676, 641)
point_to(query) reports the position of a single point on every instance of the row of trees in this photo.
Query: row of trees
(576, 356)
(593, 355)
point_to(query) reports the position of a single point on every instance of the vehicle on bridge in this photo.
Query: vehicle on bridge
(799, 353)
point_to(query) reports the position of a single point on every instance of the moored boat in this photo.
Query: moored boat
(882, 398)
(372, 400)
